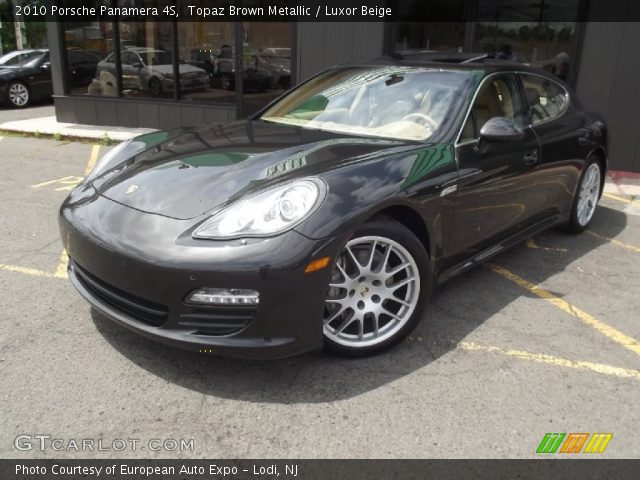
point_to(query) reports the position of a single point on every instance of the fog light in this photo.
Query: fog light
(224, 296)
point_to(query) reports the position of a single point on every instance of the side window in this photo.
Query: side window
(498, 97)
(547, 99)
(128, 58)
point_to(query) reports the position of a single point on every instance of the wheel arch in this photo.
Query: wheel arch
(601, 155)
(411, 219)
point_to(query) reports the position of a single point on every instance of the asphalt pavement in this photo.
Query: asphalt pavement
(542, 340)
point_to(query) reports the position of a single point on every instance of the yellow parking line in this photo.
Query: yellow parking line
(61, 269)
(607, 330)
(531, 243)
(51, 182)
(553, 360)
(95, 151)
(27, 271)
(614, 241)
(628, 201)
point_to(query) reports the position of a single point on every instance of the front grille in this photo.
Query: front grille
(217, 321)
(143, 310)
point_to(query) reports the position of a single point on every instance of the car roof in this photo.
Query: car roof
(459, 61)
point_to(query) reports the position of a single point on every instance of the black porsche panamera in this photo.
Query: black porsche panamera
(327, 218)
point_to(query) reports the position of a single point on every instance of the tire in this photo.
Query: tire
(358, 296)
(155, 87)
(586, 197)
(18, 95)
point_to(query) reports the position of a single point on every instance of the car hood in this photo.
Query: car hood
(193, 171)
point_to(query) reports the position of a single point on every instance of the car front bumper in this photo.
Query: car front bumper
(141, 279)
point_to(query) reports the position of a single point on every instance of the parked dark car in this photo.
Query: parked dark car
(25, 75)
(327, 218)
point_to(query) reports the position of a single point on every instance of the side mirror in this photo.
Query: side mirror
(137, 65)
(498, 130)
(46, 66)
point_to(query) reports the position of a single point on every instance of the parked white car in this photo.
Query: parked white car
(151, 70)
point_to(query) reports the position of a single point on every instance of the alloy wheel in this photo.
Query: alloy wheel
(374, 289)
(19, 94)
(589, 194)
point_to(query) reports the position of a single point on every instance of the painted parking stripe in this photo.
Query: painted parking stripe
(628, 201)
(61, 269)
(614, 241)
(27, 271)
(553, 360)
(607, 330)
(95, 152)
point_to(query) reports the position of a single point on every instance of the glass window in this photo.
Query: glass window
(266, 62)
(390, 102)
(498, 97)
(21, 58)
(87, 45)
(547, 100)
(429, 36)
(519, 30)
(206, 52)
(147, 59)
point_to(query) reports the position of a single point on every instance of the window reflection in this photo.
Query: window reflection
(86, 45)
(546, 46)
(429, 36)
(207, 72)
(266, 59)
(147, 60)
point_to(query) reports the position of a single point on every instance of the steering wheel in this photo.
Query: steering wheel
(423, 119)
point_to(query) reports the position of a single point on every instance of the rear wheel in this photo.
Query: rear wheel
(18, 95)
(586, 198)
(378, 289)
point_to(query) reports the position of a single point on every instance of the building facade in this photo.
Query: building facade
(168, 74)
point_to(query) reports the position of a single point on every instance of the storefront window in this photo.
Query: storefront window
(147, 59)
(266, 63)
(521, 31)
(207, 72)
(429, 36)
(87, 46)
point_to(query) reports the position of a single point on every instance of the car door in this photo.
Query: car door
(492, 198)
(564, 142)
(39, 78)
(130, 71)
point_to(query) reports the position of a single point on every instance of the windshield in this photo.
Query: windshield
(391, 102)
(19, 58)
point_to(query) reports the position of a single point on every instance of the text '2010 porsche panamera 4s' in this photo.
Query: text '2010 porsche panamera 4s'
(326, 219)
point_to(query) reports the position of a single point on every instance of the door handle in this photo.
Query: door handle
(531, 157)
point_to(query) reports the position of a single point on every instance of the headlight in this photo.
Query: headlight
(267, 213)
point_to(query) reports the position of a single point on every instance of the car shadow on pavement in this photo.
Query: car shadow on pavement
(317, 378)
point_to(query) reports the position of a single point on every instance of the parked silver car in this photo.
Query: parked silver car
(151, 70)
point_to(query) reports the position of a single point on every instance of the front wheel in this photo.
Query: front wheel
(378, 290)
(586, 198)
